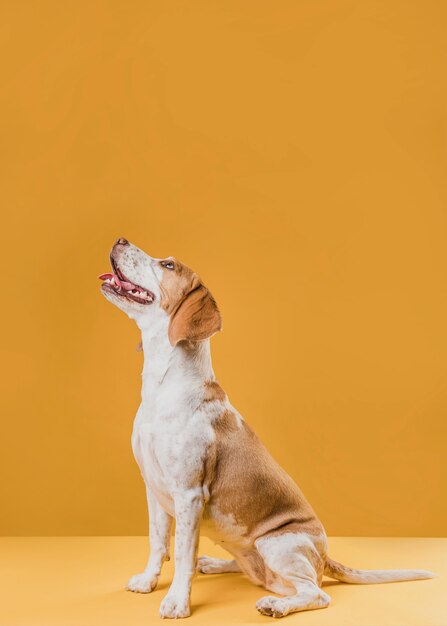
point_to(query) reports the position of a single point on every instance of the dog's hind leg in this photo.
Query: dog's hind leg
(210, 565)
(295, 562)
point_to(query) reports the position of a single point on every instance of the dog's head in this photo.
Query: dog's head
(143, 287)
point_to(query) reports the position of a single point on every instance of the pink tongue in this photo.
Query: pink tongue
(121, 283)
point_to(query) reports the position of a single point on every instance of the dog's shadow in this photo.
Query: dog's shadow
(332, 583)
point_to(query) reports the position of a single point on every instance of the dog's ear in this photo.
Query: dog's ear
(195, 318)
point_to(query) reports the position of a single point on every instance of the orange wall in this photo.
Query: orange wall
(291, 152)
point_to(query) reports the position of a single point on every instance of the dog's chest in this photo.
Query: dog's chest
(170, 451)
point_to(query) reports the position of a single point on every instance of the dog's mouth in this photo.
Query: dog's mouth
(117, 283)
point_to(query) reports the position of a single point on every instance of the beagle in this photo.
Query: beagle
(201, 462)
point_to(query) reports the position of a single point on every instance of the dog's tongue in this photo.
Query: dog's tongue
(121, 283)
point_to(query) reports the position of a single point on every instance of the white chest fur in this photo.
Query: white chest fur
(170, 449)
(146, 448)
(172, 431)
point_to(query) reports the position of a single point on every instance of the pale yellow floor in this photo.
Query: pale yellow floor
(79, 581)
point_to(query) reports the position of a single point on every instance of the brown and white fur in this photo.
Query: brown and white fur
(202, 463)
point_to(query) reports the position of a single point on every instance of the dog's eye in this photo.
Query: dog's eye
(169, 265)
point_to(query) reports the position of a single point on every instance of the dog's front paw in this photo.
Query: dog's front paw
(142, 583)
(174, 607)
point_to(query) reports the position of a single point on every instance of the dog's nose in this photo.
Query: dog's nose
(122, 241)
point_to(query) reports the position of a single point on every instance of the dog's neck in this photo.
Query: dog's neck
(181, 369)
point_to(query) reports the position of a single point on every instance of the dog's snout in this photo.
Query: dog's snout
(121, 241)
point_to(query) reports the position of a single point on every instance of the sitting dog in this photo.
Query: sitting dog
(201, 462)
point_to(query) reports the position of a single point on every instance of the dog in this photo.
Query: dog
(201, 462)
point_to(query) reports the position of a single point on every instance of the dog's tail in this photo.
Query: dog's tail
(367, 576)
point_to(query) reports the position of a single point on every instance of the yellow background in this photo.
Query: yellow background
(293, 153)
